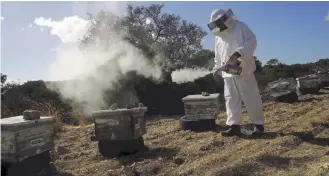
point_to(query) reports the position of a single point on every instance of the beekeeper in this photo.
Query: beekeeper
(235, 44)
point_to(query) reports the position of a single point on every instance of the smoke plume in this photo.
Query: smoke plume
(98, 70)
(87, 73)
(188, 75)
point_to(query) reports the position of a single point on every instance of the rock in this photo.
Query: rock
(141, 105)
(204, 147)
(160, 159)
(134, 170)
(179, 161)
(61, 150)
(205, 94)
(125, 170)
(133, 165)
(30, 114)
(111, 171)
(327, 153)
(183, 174)
(188, 138)
(130, 106)
(114, 106)
(217, 143)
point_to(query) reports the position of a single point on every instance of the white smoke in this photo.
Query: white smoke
(119, 58)
(327, 17)
(69, 30)
(188, 75)
(97, 67)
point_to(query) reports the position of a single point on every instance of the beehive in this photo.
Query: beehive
(119, 124)
(200, 106)
(308, 82)
(26, 136)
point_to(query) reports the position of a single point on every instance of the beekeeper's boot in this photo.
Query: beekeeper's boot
(234, 130)
(258, 130)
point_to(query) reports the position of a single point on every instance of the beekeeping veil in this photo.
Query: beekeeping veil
(221, 21)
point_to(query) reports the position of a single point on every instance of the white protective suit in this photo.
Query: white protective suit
(239, 87)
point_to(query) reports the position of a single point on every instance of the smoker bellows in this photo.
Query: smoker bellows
(22, 138)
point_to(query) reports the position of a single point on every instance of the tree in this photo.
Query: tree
(272, 62)
(102, 28)
(322, 65)
(3, 78)
(204, 59)
(258, 64)
(153, 32)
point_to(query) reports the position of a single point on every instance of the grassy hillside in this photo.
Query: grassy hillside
(296, 144)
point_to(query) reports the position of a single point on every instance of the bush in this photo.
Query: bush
(33, 95)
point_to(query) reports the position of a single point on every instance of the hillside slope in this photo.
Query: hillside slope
(296, 144)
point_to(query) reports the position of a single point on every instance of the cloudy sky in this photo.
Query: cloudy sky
(31, 32)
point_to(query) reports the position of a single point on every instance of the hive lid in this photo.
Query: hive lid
(122, 111)
(19, 122)
(200, 97)
(312, 76)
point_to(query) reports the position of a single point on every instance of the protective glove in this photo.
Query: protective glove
(234, 59)
(232, 66)
(217, 76)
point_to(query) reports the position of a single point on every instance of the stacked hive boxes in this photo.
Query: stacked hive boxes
(119, 130)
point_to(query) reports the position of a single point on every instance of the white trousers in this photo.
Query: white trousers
(243, 88)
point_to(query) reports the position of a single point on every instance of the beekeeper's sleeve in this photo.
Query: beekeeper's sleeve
(217, 58)
(249, 45)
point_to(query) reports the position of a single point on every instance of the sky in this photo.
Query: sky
(31, 32)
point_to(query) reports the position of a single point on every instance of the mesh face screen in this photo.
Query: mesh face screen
(219, 23)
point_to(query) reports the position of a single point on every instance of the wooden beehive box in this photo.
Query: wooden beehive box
(21, 138)
(310, 81)
(200, 106)
(119, 124)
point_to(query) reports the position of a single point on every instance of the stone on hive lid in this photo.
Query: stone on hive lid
(31, 114)
(205, 94)
(114, 106)
(200, 97)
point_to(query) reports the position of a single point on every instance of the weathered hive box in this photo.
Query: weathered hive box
(21, 138)
(308, 82)
(200, 106)
(281, 87)
(324, 79)
(119, 124)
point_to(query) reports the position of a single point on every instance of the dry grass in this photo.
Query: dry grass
(81, 119)
(296, 144)
(49, 109)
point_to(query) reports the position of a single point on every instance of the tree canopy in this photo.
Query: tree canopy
(154, 32)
